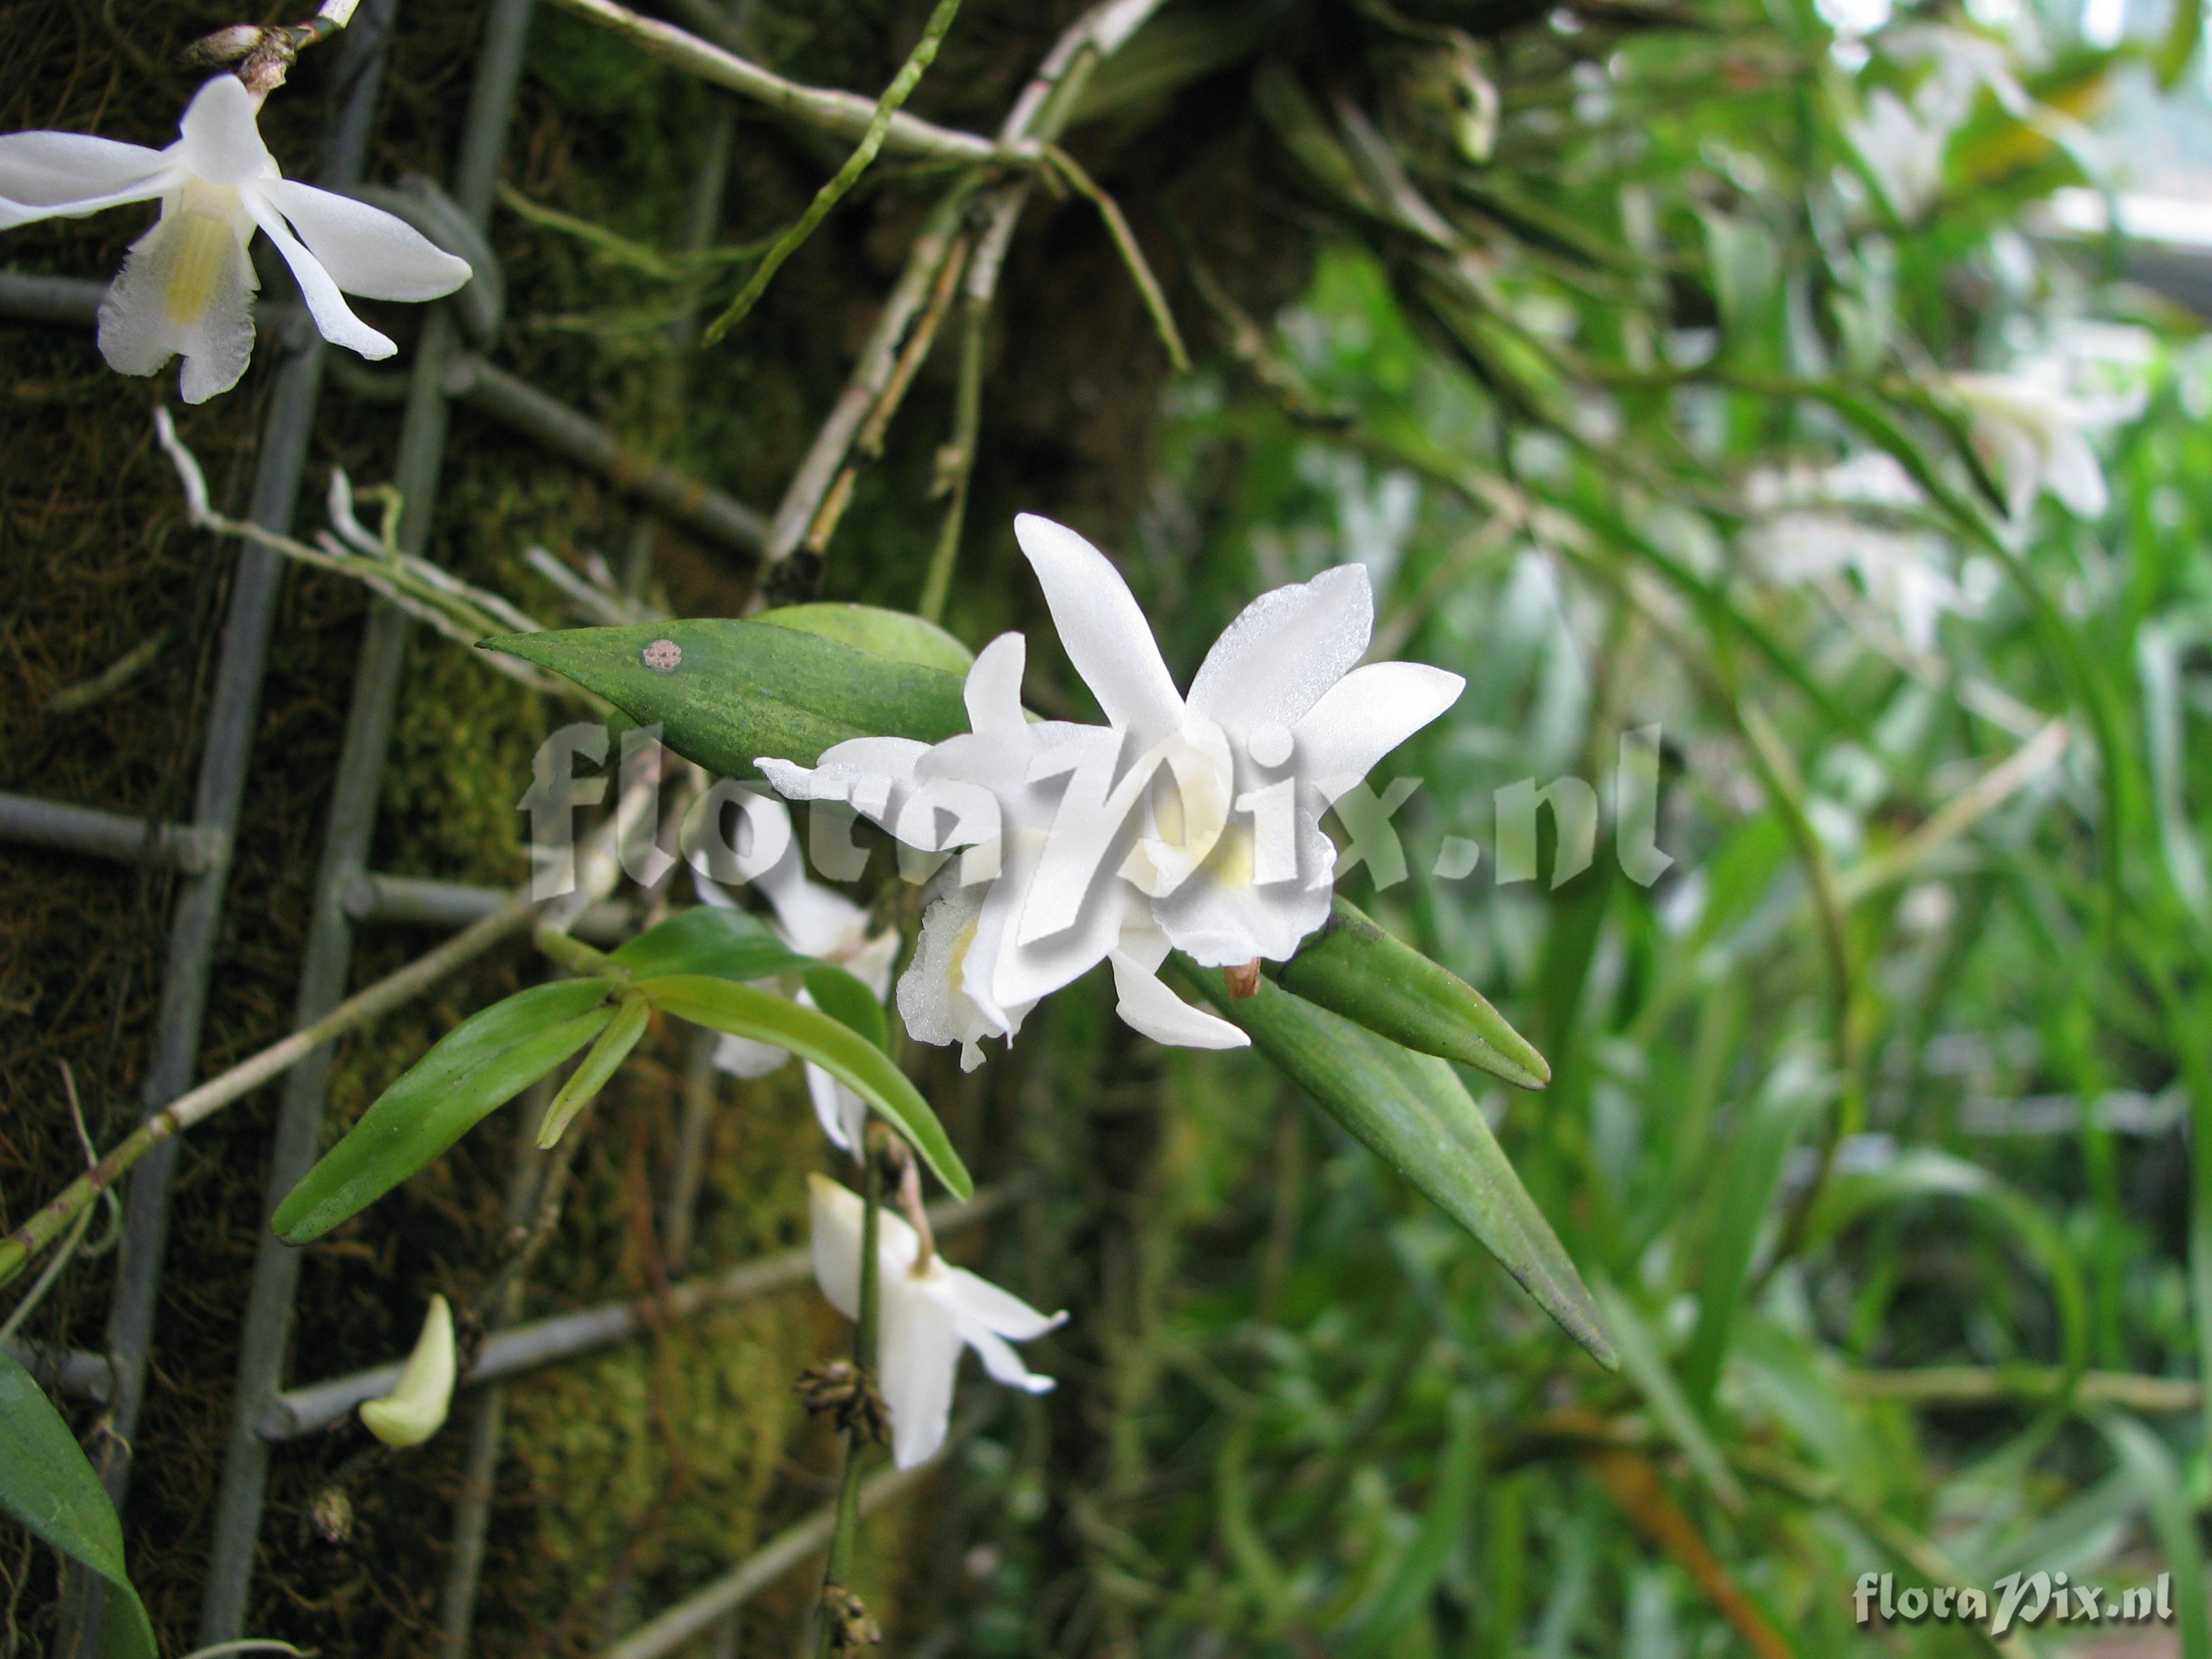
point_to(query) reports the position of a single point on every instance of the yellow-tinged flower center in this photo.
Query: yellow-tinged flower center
(203, 246)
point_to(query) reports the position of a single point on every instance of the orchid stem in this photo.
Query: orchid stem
(848, 1528)
(872, 140)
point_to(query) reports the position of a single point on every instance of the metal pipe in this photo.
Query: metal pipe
(698, 1612)
(507, 398)
(233, 714)
(328, 953)
(193, 848)
(375, 896)
(564, 1336)
(548, 422)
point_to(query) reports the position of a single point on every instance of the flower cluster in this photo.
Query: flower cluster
(1184, 822)
(186, 287)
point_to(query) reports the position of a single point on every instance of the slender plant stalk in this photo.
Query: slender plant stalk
(902, 86)
(839, 111)
(841, 1537)
(1125, 241)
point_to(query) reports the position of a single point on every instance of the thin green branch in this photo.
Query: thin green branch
(1125, 241)
(872, 140)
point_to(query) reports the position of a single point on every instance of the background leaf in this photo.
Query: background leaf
(47, 1483)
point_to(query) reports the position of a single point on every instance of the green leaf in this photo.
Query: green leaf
(1743, 1196)
(487, 1061)
(47, 1483)
(894, 634)
(1412, 1111)
(2146, 1461)
(731, 944)
(605, 1059)
(707, 939)
(1379, 1626)
(724, 1005)
(741, 690)
(1355, 968)
(1644, 1359)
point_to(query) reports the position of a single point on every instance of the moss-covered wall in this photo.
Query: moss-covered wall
(639, 1473)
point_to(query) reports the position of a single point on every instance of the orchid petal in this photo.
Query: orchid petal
(1003, 1363)
(1105, 633)
(1146, 1005)
(221, 142)
(186, 287)
(994, 690)
(980, 1301)
(815, 921)
(866, 772)
(1286, 649)
(2072, 474)
(917, 1357)
(1366, 715)
(1222, 918)
(46, 175)
(333, 317)
(843, 1114)
(366, 250)
(742, 1057)
(835, 1217)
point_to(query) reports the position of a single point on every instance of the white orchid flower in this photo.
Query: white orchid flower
(1215, 818)
(926, 1312)
(998, 783)
(817, 922)
(187, 286)
(1280, 721)
(2032, 437)
(417, 1406)
(1903, 148)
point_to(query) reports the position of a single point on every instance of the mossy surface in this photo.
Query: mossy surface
(636, 1474)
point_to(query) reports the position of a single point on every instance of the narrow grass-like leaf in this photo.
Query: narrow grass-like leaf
(599, 1066)
(1413, 1111)
(861, 1065)
(2147, 1463)
(724, 692)
(1742, 1201)
(1356, 968)
(487, 1061)
(1377, 1627)
(1645, 1363)
(47, 1483)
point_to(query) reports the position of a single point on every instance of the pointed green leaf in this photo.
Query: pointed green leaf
(487, 1061)
(603, 1060)
(47, 1483)
(1355, 968)
(724, 1005)
(1413, 1111)
(724, 692)
(893, 634)
(707, 939)
(731, 944)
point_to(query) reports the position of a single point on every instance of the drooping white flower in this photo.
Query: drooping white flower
(187, 286)
(417, 1406)
(817, 922)
(926, 1312)
(2032, 437)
